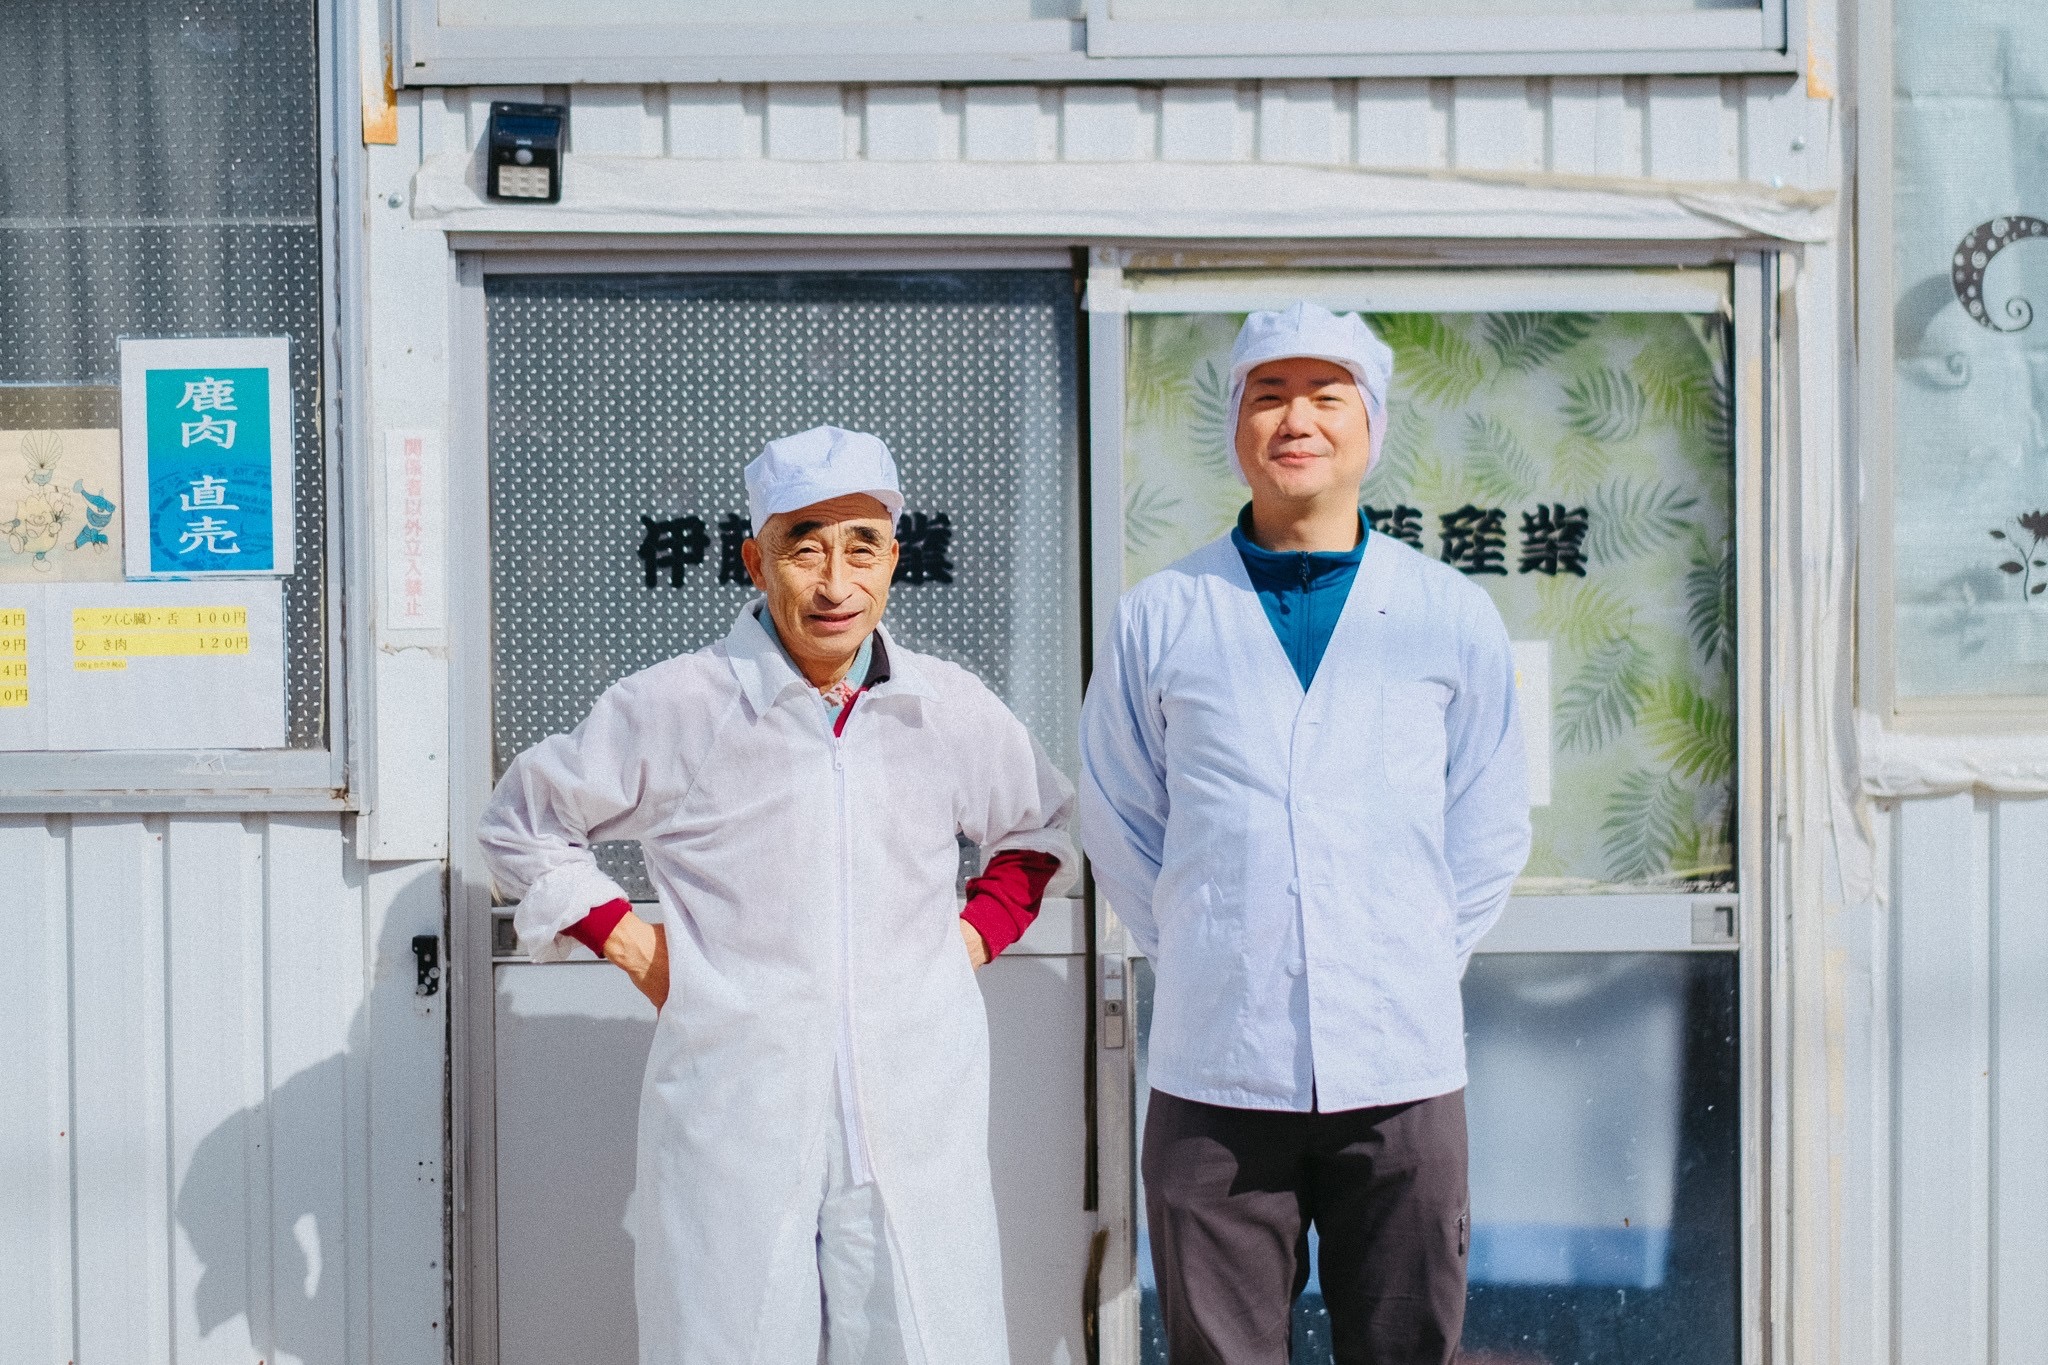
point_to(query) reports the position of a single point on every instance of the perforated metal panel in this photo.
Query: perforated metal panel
(161, 178)
(619, 401)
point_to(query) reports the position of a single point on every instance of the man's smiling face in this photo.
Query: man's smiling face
(1302, 431)
(825, 570)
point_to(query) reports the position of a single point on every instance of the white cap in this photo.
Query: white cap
(815, 465)
(1313, 332)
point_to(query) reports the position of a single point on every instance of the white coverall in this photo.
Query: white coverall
(807, 887)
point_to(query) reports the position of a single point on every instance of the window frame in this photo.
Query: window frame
(261, 780)
(1657, 922)
(1098, 46)
(1873, 436)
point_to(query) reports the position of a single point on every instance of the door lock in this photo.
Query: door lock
(426, 958)
(1114, 1018)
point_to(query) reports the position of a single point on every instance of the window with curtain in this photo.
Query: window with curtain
(1970, 361)
(159, 177)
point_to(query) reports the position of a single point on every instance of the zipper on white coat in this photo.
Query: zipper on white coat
(857, 1163)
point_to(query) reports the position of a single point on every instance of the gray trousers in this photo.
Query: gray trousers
(1230, 1195)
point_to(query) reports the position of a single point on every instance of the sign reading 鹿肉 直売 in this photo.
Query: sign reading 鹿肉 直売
(206, 435)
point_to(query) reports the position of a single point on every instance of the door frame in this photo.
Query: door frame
(1751, 302)
(470, 979)
(1762, 484)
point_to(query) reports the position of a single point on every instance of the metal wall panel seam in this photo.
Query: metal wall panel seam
(1940, 920)
(1683, 114)
(403, 1036)
(209, 1043)
(314, 949)
(119, 1058)
(36, 1313)
(2019, 1079)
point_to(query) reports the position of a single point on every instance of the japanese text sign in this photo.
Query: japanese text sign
(206, 434)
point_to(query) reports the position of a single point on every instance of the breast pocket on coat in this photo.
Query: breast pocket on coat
(1412, 742)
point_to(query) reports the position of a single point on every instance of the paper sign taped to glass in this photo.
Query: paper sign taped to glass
(142, 666)
(206, 428)
(59, 492)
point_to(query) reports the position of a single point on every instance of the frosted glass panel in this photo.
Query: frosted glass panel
(1970, 265)
(623, 409)
(1580, 468)
(692, 13)
(1225, 10)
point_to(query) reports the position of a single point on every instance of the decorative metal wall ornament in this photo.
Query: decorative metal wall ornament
(1975, 253)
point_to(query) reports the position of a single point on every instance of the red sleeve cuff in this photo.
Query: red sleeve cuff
(1004, 899)
(595, 928)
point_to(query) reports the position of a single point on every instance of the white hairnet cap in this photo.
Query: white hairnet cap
(812, 466)
(1314, 332)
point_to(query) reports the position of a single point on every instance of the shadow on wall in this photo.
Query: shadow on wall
(264, 1205)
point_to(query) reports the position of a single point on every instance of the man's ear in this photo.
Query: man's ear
(750, 555)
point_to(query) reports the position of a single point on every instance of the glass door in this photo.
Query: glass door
(1569, 440)
(621, 410)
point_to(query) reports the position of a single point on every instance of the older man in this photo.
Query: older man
(813, 1159)
(1303, 794)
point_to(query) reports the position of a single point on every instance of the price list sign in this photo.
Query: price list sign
(104, 639)
(13, 658)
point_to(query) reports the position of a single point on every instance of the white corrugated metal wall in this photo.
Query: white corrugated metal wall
(218, 1085)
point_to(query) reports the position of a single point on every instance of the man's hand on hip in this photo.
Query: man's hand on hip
(640, 950)
(977, 948)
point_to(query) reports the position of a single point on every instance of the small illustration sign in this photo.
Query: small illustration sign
(58, 490)
(207, 438)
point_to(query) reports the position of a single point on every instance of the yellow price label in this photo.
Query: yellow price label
(13, 670)
(159, 618)
(161, 643)
(13, 695)
(13, 646)
(13, 618)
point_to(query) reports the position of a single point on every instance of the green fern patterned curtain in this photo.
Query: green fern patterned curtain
(1580, 468)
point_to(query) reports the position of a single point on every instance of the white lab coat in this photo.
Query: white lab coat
(807, 887)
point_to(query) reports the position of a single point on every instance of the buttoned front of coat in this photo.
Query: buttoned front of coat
(808, 891)
(1308, 871)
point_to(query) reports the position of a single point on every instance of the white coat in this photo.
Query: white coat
(807, 886)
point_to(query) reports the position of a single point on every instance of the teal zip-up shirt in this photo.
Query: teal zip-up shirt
(1303, 591)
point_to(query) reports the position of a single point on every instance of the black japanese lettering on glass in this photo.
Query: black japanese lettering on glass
(1402, 522)
(927, 543)
(733, 530)
(670, 545)
(1473, 538)
(1553, 540)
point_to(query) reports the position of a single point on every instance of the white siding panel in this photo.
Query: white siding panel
(711, 123)
(613, 119)
(1104, 123)
(1943, 1062)
(1001, 123)
(117, 989)
(444, 121)
(316, 956)
(1400, 124)
(1686, 139)
(2019, 1102)
(35, 1116)
(213, 896)
(1495, 126)
(1298, 123)
(404, 1033)
(1574, 125)
(1784, 134)
(1198, 122)
(806, 123)
(910, 123)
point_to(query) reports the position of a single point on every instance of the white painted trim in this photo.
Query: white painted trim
(1100, 48)
(1437, 291)
(1128, 200)
(1604, 924)
(1559, 37)
(575, 257)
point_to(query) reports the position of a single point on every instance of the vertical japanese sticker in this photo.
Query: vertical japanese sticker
(207, 457)
(415, 532)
